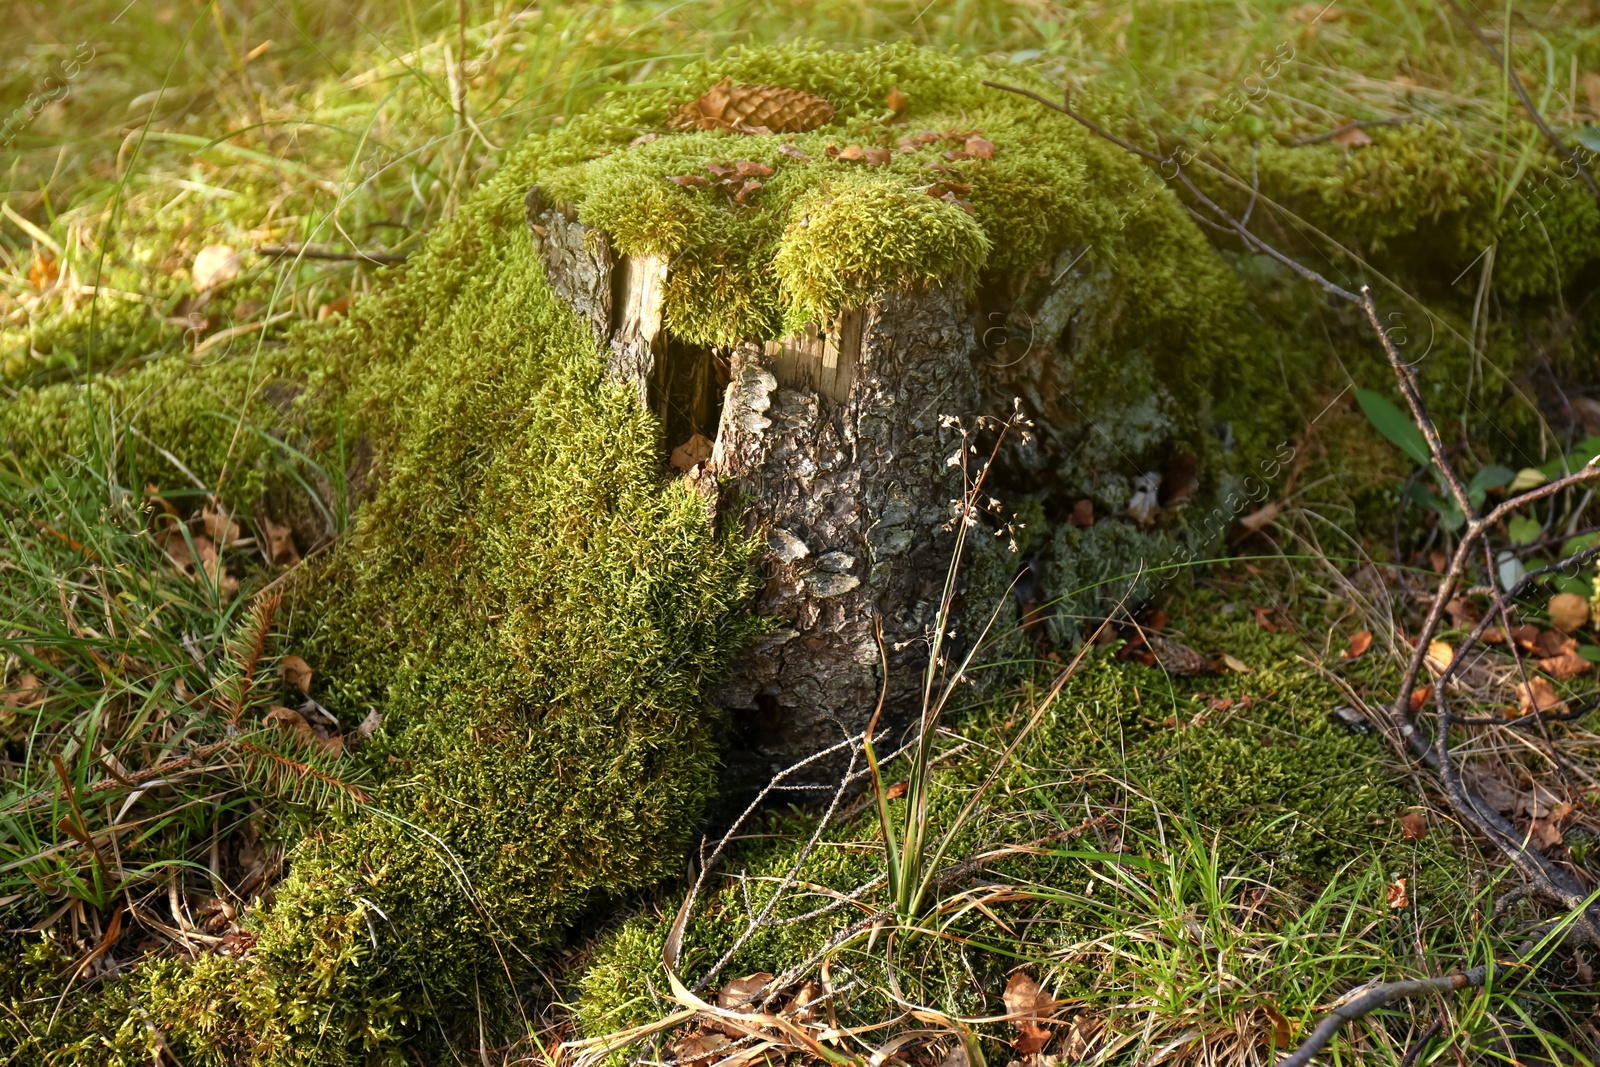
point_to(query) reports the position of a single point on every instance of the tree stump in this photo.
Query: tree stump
(828, 445)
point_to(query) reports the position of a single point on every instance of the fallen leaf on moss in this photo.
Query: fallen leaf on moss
(980, 148)
(1031, 1037)
(369, 725)
(692, 180)
(219, 524)
(794, 153)
(1236, 665)
(281, 551)
(747, 189)
(1353, 137)
(877, 157)
(1440, 655)
(1396, 894)
(297, 673)
(213, 265)
(850, 153)
(1262, 620)
(1025, 1000)
(1526, 637)
(896, 100)
(1360, 641)
(1420, 696)
(747, 168)
(1413, 826)
(895, 792)
(43, 271)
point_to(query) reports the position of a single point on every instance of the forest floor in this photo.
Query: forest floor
(1184, 841)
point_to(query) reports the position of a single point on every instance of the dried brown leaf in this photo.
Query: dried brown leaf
(1396, 894)
(1031, 1037)
(214, 265)
(691, 180)
(1082, 514)
(850, 152)
(979, 148)
(794, 153)
(896, 100)
(1413, 826)
(746, 168)
(1568, 611)
(43, 271)
(693, 452)
(1537, 694)
(877, 157)
(281, 551)
(1493, 789)
(219, 523)
(1565, 666)
(297, 673)
(1352, 137)
(1360, 641)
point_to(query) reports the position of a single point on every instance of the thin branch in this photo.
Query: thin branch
(301, 252)
(1379, 997)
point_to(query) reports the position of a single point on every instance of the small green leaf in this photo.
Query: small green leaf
(1393, 424)
(1563, 584)
(1590, 652)
(1577, 544)
(1523, 530)
(1486, 479)
(1589, 137)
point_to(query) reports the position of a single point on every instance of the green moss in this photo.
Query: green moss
(1251, 764)
(846, 242)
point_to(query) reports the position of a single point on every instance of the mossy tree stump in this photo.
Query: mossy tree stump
(828, 444)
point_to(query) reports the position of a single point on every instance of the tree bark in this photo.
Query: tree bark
(829, 446)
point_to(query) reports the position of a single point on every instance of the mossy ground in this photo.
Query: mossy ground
(1231, 782)
(539, 618)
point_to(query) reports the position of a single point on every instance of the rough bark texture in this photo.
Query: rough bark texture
(852, 496)
(830, 447)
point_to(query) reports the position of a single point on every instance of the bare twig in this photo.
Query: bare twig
(302, 252)
(1373, 999)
